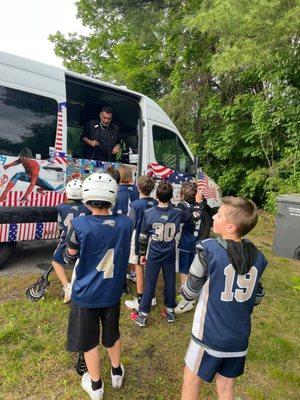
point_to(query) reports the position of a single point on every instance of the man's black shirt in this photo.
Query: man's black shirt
(107, 139)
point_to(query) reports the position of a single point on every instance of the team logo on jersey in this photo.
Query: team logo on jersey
(165, 217)
(74, 208)
(109, 222)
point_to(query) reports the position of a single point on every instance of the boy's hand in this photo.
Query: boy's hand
(143, 260)
(199, 194)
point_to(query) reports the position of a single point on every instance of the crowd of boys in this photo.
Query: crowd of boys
(108, 223)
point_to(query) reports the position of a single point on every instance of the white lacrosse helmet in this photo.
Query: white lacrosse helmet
(100, 187)
(74, 190)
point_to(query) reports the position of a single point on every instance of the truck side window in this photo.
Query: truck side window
(164, 142)
(169, 150)
(26, 120)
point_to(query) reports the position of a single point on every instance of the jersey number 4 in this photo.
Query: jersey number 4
(246, 284)
(69, 218)
(106, 264)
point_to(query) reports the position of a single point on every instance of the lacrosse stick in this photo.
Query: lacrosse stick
(36, 291)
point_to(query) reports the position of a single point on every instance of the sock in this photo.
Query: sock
(116, 371)
(139, 296)
(170, 310)
(97, 385)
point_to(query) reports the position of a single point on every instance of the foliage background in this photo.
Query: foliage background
(226, 71)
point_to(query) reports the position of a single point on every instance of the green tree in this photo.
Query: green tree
(226, 71)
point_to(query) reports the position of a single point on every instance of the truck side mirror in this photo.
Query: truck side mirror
(195, 165)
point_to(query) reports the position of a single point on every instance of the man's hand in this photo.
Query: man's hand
(116, 149)
(93, 143)
(143, 260)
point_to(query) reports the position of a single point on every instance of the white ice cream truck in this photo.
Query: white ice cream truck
(43, 110)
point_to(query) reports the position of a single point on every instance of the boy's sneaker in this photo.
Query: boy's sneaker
(81, 367)
(86, 384)
(139, 318)
(134, 304)
(131, 276)
(67, 293)
(184, 306)
(170, 317)
(153, 302)
(117, 380)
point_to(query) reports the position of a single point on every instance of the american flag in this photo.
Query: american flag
(35, 199)
(28, 231)
(179, 178)
(160, 171)
(59, 127)
(58, 157)
(208, 189)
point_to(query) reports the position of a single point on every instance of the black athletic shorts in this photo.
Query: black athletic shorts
(84, 327)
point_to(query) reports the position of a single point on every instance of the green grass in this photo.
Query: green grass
(35, 366)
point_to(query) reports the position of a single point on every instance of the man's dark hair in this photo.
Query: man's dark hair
(164, 192)
(107, 109)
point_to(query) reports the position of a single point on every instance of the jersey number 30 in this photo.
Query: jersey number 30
(246, 284)
(164, 232)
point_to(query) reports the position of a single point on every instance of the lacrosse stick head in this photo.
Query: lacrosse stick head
(36, 291)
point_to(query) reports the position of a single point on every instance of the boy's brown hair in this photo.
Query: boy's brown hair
(164, 192)
(242, 213)
(114, 173)
(188, 191)
(125, 174)
(145, 184)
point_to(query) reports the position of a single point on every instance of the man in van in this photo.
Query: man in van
(100, 138)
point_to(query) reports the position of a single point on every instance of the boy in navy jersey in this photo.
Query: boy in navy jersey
(137, 208)
(66, 212)
(127, 192)
(161, 223)
(190, 233)
(226, 272)
(101, 243)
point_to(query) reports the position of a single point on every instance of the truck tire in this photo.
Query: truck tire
(297, 253)
(6, 250)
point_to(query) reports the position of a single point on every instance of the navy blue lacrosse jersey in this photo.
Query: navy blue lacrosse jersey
(100, 271)
(126, 195)
(67, 212)
(222, 319)
(136, 213)
(161, 224)
(189, 230)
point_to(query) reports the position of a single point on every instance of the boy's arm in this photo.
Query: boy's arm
(60, 226)
(143, 239)
(72, 249)
(197, 275)
(133, 215)
(260, 293)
